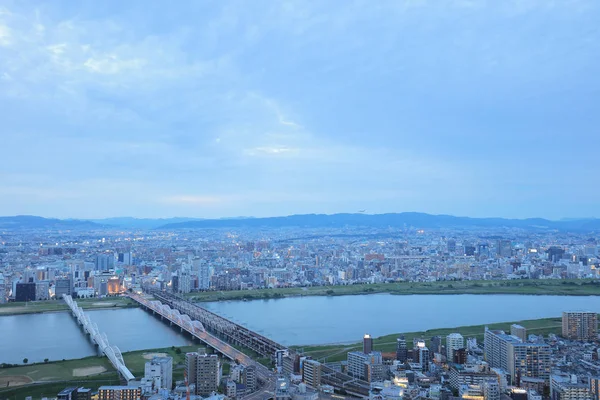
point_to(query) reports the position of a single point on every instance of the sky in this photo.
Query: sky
(260, 108)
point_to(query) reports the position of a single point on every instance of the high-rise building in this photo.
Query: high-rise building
(2, 289)
(105, 262)
(436, 345)
(454, 341)
(368, 367)
(203, 274)
(564, 387)
(519, 331)
(504, 248)
(248, 378)
(42, 290)
(311, 373)
(185, 281)
(580, 325)
(401, 349)
(62, 286)
(367, 344)
(424, 358)
(451, 245)
(160, 371)
(515, 357)
(25, 291)
(204, 371)
(460, 356)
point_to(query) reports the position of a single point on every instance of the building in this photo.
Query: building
(69, 393)
(367, 344)
(368, 367)
(62, 286)
(248, 378)
(184, 281)
(460, 356)
(454, 341)
(160, 372)
(565, 387)
(504, 248)
(519, 331)
(282, 389)
(468, 375)
(105, 262)
(204, 371)
(580, 325)
(401, 349)
(119, 393)
(311, 373)
(436, 345)
(519, 359)
(25, 292)
(42, 290)
(491, 389)
(113, 285)
(2, 289)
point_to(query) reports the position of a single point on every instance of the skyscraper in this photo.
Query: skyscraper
(436, 344)
(2, 289)
(401, 349)
(519, 331)
(454, 341)
(504, 248)
(580, 325)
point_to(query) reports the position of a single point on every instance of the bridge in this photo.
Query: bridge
(218, 330)
(195, 328)
(112, 352)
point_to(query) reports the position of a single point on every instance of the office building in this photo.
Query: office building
(204, 371)
(580, 325)
(460, 356)
(62, 286)
(119, 393)
(519, 331)
(401, 349)
(454, 341)
(125, 258)
(311, 373)
(282, 389)
(504, 248)
(160, 371)
(105, 262)
(25, 292)
(367, 344)
(42, 290)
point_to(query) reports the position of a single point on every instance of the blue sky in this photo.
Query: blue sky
(226, 108)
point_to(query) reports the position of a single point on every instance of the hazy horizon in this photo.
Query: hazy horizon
(225, 108)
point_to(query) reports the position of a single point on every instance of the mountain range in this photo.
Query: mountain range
(394, 220)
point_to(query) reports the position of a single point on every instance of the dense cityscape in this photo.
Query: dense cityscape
(166, 272)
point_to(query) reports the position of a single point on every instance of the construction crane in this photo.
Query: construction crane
(187, 386)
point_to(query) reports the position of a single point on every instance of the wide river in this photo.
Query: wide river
(298, 320)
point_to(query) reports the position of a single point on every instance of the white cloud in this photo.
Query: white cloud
(111, 64)
(5, 36)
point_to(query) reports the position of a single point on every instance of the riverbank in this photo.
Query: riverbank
(34, 307)
(566, 287)
(387, 343)
(47, 379)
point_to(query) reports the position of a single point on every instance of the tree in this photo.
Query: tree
(25, 361)
(46, 360)
(178, 351)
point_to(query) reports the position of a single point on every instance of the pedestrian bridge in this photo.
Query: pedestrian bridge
(112, 352)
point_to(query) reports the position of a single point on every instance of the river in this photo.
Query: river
(289, 321)
(57, 335)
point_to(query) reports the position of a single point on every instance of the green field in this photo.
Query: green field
(571, 287)
(48, 379)
(387, 344)
(59, 305)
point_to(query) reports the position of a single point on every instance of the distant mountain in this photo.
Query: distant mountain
(397, 220)
(141, 223)
(21, 222)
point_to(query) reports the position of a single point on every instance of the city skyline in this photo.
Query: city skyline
(226, 108)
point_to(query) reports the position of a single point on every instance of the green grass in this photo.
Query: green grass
(578, 287)
(59, 305)
(52, 377)
(387, 344)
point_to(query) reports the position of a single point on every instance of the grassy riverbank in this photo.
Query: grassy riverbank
(47, 379)
(387, 344)
(568, 287)
(59, 305)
